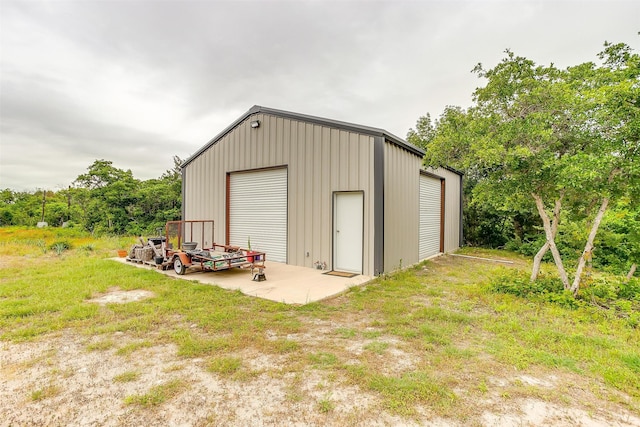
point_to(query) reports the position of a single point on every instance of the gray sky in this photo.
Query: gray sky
(136, 82)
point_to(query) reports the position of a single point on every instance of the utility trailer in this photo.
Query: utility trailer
(191, 244)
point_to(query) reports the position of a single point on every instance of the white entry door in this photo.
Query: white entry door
(347, 232)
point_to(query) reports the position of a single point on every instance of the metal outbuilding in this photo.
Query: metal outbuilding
(312, 191)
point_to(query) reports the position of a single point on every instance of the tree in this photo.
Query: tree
(113, 195)
(609, 117)
(424, 133)
(548, 136)
(104, 199)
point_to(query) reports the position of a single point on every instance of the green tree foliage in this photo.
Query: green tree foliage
(423, 134)
(105, 199)
(542, 139)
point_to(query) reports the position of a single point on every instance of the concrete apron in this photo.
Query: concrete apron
(285, 283)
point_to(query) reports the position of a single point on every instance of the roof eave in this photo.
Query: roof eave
(256, 109)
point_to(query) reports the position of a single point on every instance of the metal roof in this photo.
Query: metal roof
(352, 127)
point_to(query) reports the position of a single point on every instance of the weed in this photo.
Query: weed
(42, 245)
(224, 365)
(285, 346)
(60, 246)
(157, 394)
(126, 377)
(371, 334)
(377, 347)
(190, 345)
(294, 394)
(323, 360)
(101, 345)
(326, 404)
(346, 332)
(402, 393)
(131, 347)
(45, 393)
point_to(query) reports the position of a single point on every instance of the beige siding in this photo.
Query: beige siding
(451, 208)
(320, 160)
(401, 207)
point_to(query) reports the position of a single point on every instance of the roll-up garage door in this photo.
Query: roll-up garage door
(429, 216)
(258, 210)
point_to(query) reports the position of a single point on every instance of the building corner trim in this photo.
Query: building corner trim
(461, 237)
(184, 179)
(378, 205)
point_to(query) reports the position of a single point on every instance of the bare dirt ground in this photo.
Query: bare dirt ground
(61, 380)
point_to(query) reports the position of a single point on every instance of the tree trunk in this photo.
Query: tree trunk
(550, 240)
(537, 260)
(632, 271)
(589, 246)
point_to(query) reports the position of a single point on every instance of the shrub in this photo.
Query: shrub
(63, 244)
(60, 246)
(517, 283)
(546, 288)
(612, 293)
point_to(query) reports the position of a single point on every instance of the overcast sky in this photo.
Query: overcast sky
(136, 82)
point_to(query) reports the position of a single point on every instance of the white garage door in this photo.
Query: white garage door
(258, 210)
(429, 216)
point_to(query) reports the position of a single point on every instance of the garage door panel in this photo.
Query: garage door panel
(430, 213)
(258, 209)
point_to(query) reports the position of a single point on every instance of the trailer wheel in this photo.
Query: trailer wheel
(178, 266)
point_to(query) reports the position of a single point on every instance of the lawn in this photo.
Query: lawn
(432, 344)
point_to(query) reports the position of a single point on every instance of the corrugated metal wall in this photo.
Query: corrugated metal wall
(401, 207)
(320, 160)
(451, 208)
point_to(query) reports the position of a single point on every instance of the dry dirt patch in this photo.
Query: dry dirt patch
(118, 296)
(59, 381)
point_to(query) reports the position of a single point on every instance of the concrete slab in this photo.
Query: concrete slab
(285, 283)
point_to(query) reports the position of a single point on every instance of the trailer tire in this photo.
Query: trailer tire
(178, 266)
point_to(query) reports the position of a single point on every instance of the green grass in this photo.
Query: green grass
(323, 360)
(457, 331)
(283, 346)
(404, 392)
(225, 365)
(157, 394)
(130, 348)
(346, 332)
(377, 347)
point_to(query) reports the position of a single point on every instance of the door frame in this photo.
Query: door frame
(442, 207)
(334, 197)
(227, 201)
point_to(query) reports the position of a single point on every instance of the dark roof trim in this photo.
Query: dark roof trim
(450, 169)
(430, 174)
(352, 127)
